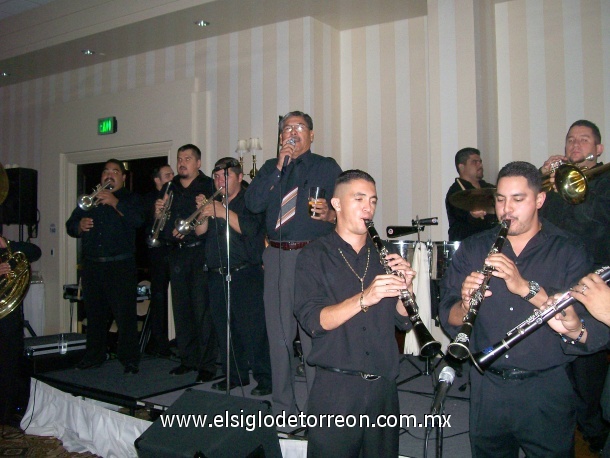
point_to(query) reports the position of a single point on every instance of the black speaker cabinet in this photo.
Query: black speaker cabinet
(210, 441)
(21, 203)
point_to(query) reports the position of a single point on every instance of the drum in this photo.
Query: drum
(440, 257)
(406, 248)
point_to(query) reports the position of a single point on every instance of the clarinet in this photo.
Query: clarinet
(428, 346)
(459, 348)
(483, 359)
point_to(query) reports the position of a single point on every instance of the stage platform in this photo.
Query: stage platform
(79, 407)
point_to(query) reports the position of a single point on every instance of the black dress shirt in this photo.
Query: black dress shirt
(366, 342)
(184, 205)
(589, 221)
(461, 222)
(554, 259)
(246, 248)
(111, 234)
(263, 195)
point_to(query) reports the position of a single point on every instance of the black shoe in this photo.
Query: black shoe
(222, 385)
(131, 368)
(596, 443)
(88, 364)
(204, 376)
(180, 370)
(262, 389)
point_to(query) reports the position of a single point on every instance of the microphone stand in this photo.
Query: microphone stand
(228, 281)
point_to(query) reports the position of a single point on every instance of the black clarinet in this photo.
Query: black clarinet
(483, 359)
(459, 348)
(428, 347)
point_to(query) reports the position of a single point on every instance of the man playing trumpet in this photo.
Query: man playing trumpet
(589, 221)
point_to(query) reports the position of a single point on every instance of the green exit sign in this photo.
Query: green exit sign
(106, 126)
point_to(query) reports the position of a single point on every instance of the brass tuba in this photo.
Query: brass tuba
(14, 284)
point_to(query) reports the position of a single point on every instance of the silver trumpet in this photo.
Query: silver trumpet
(185, 226)
(153, 240)
(87, 201)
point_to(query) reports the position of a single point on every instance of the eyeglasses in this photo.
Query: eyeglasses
(298, 127)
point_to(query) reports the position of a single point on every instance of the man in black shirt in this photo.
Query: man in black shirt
(589, 221)
(281, 190)
(108, 233)
(463, 223)
(525, 399)
(195, 336)
(159, 266)
(249, 344)
(348, 305)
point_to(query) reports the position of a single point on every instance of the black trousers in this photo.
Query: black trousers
(250, 345)
(588, 374)
(12, 382)
(536, 414)
(159, 283)
(195, 337)
(110, 290)
(340, 394)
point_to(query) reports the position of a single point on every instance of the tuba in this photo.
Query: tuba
(460, 347)
(13, 285)
(185, 226)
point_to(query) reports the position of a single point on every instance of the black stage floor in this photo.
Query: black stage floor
(108, 383)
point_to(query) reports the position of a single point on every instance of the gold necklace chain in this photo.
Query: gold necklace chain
(368, 257)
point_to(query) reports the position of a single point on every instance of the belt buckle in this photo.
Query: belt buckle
(369, 377)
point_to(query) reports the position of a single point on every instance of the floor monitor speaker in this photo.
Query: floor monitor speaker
(197, 440)
(21, 203)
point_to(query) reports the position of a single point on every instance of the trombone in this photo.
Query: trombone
(185, 226)
(87, 201)
(159, 224)
(571, 182)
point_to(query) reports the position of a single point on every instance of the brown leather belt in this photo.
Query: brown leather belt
(288, 245)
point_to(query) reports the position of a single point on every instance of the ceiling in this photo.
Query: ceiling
(44, 37)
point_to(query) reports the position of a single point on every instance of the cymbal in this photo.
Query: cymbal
(474, 199)
(3, 184)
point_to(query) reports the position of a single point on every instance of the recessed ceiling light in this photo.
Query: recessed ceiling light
(88, 52)
(202, 23)
(5, 74)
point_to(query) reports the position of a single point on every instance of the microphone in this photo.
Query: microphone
(425, 222)
(399, 231)
(445, 379)
(290, 141)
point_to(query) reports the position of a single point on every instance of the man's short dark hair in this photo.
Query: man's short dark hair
(156, 172)
(291, 114)
(461, 157)
(233, 164)
(525, 170)
(584, 123)
(119, 163)
(190, 146)
(351, 175)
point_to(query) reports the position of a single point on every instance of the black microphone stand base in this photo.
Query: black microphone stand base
(429, 368)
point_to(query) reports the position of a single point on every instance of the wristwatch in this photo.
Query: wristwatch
(534, 288)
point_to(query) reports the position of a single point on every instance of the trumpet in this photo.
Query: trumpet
(571, 182)
(483, 359)
(185, 226)
(87, 201)
(459, 348)
(428, 346)
(153, 240)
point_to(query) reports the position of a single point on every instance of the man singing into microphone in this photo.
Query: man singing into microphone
(281, 190)
(347, 303)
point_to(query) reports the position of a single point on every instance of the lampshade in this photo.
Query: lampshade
(255, 144)
(242, 146)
